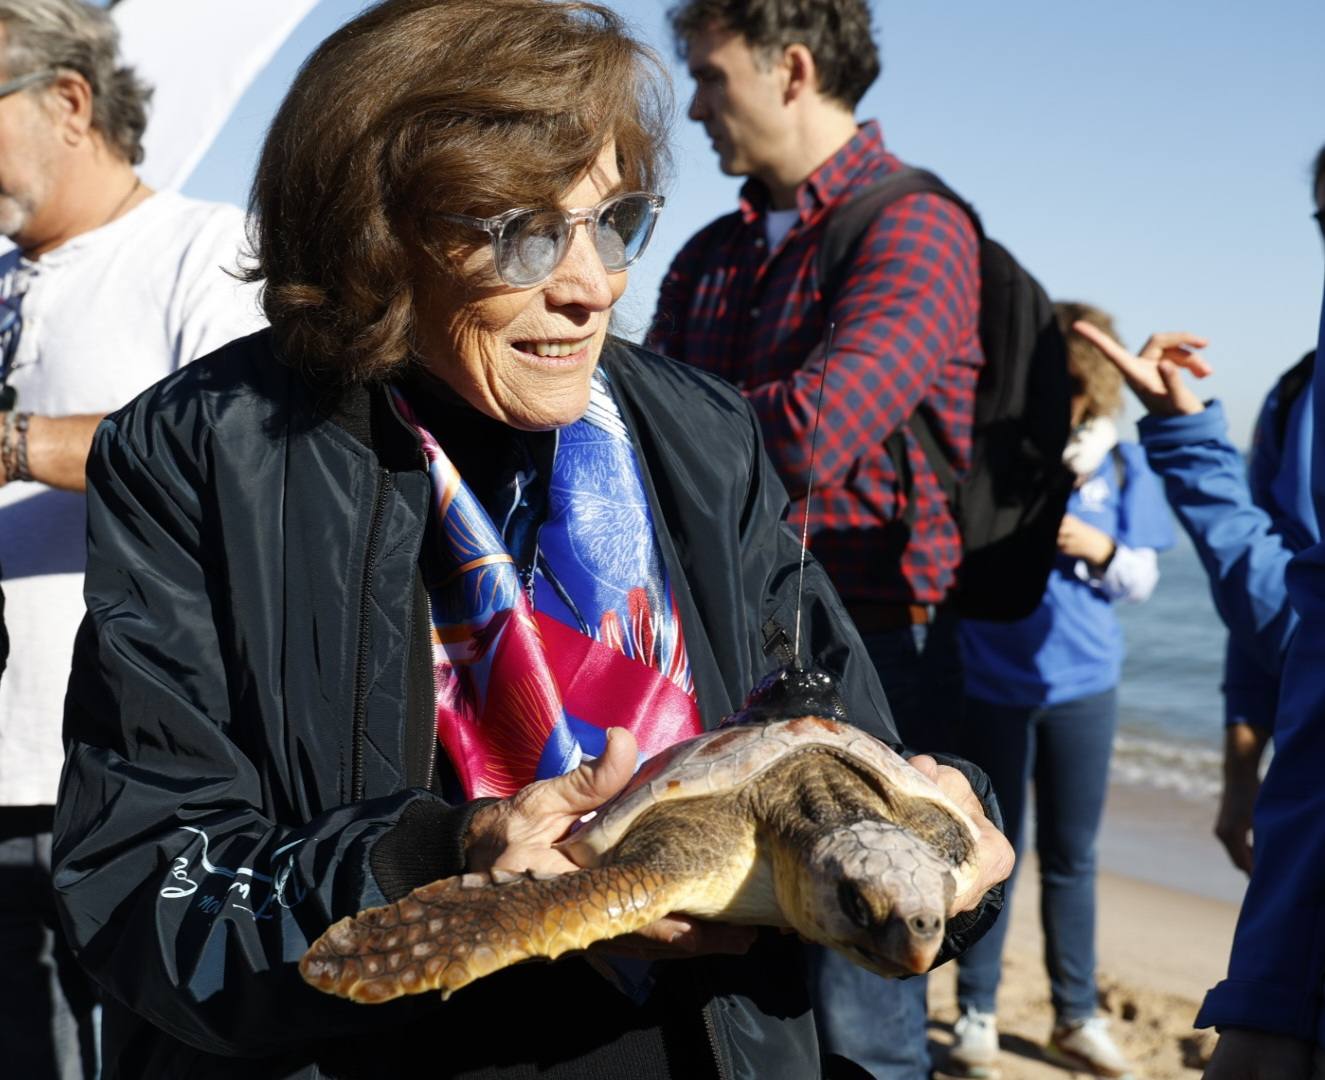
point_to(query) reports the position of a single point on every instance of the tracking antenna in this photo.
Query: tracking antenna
(809, 490)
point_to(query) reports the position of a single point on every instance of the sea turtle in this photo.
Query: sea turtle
(784, 816)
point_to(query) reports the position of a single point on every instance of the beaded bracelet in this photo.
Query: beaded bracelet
(14, 446)
(7, 449)
(21, 422)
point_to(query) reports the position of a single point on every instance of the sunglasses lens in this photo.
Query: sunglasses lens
(532, 242)
(530, 247)
(624, 228)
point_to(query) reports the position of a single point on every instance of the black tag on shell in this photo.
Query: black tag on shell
(788, 693)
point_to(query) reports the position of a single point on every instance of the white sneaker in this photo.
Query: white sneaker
(1088, 1046)
(974, 1051)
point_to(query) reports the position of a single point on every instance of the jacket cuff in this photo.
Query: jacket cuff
(1243, 1003)
(425, 845)
(1163, 432)
(966, 929)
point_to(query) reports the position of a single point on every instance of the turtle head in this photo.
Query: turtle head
(878, 894)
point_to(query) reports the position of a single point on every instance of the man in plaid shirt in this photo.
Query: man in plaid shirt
(777, 82)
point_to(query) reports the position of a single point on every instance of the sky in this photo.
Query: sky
(1152, 158)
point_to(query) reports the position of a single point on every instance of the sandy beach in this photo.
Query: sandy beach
(1166, 916)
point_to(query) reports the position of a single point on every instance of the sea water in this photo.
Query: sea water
(1171, 710)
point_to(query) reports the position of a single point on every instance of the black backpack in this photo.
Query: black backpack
(1009, 504)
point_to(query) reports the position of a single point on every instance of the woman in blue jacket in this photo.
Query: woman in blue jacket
(1042, 706)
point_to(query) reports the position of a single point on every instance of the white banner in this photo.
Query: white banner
(200, 56)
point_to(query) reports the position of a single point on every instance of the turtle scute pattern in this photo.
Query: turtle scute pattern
(730, 757)
(445, 935)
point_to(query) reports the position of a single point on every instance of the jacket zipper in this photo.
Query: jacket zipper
(424, 629)
(711, 1029)
(361, 668)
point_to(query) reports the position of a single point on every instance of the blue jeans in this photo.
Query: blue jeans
(880, 1024)
(47, 1006)
(1065, 750)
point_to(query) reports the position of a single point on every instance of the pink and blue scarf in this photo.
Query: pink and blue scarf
(531, 669)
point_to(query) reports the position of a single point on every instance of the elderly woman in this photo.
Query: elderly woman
(366, 591)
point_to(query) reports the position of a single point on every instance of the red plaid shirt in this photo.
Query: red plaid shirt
(906, 337)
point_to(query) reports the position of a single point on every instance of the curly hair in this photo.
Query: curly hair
(836, 32)
(419, 108)
(1092, 372)
(42, 35)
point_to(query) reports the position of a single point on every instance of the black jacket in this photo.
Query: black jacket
(251, 747)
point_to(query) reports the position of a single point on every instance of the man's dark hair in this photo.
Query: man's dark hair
(836, 32)
(1318, 174)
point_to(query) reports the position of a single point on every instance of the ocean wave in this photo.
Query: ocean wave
(1190, 770)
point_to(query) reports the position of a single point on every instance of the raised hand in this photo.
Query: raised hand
(1155, 376)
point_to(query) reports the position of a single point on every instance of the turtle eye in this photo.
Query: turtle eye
(854, 905)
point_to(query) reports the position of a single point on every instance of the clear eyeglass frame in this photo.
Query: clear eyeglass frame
(22, 82)
(504, 231)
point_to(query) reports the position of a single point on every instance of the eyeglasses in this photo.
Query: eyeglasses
(13, 86)
(527, 245)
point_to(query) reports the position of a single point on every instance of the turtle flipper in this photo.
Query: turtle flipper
(445, 935)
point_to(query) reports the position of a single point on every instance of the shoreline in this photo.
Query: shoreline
(1166, 913)
(1166, 838)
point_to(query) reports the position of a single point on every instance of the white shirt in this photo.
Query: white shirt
(105, 315)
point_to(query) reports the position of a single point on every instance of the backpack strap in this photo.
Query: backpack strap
(848, 219)
(847, 222)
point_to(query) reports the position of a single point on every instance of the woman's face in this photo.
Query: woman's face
(525, 356)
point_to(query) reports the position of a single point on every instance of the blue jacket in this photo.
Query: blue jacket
(1244, 554)
(1071, 645)
(1278, 960)
(1279, 475)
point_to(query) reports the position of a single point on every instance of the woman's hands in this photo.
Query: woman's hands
(1077, 540)
(1155, 375)
(518, 834)
(996, 856)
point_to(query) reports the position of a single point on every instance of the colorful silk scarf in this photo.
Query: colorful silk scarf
(530, 673)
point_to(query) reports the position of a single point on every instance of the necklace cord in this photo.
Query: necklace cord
(119, 206)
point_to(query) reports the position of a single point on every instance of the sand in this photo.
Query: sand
(1160, 946)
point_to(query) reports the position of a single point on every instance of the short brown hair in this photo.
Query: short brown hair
(836, 32)
(423, 107)
(1092, 371)
(41, 35)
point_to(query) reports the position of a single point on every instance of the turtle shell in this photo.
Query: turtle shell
(720, 761)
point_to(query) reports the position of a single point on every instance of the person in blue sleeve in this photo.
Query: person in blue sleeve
(1269, 1008)
(1279, 476)
(1246, 524)
(1042, 706)
(1279, 480)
